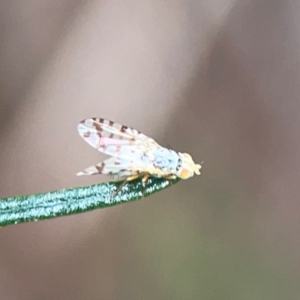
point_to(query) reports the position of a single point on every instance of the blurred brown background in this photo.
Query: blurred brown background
(218, 79)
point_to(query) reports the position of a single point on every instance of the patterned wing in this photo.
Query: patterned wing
(114, 167)
(114, 139)
(132, 152)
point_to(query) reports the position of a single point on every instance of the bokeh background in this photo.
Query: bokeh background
(216, 78)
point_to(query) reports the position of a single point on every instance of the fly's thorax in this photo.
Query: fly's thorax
(186, 167)
(166, 160)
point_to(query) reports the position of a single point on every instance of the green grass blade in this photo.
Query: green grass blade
(66, 202)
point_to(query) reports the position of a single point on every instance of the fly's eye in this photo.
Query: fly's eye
(185, 174)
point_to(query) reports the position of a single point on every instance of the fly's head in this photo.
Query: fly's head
(187, 168)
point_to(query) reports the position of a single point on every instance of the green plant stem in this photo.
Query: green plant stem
(65, 202)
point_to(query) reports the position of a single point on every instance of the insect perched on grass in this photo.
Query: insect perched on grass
(133, 154)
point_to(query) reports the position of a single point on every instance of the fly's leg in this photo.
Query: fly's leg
(145, 181)
(170, 178)
(130, 178)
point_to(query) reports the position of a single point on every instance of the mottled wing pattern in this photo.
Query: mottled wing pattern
(107, 129)
(112, 138)
(113, 167)
(126, 145)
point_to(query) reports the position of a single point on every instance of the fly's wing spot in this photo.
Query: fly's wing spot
(123, 128)
(98, 128)
(100, 167)
(87, 134)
